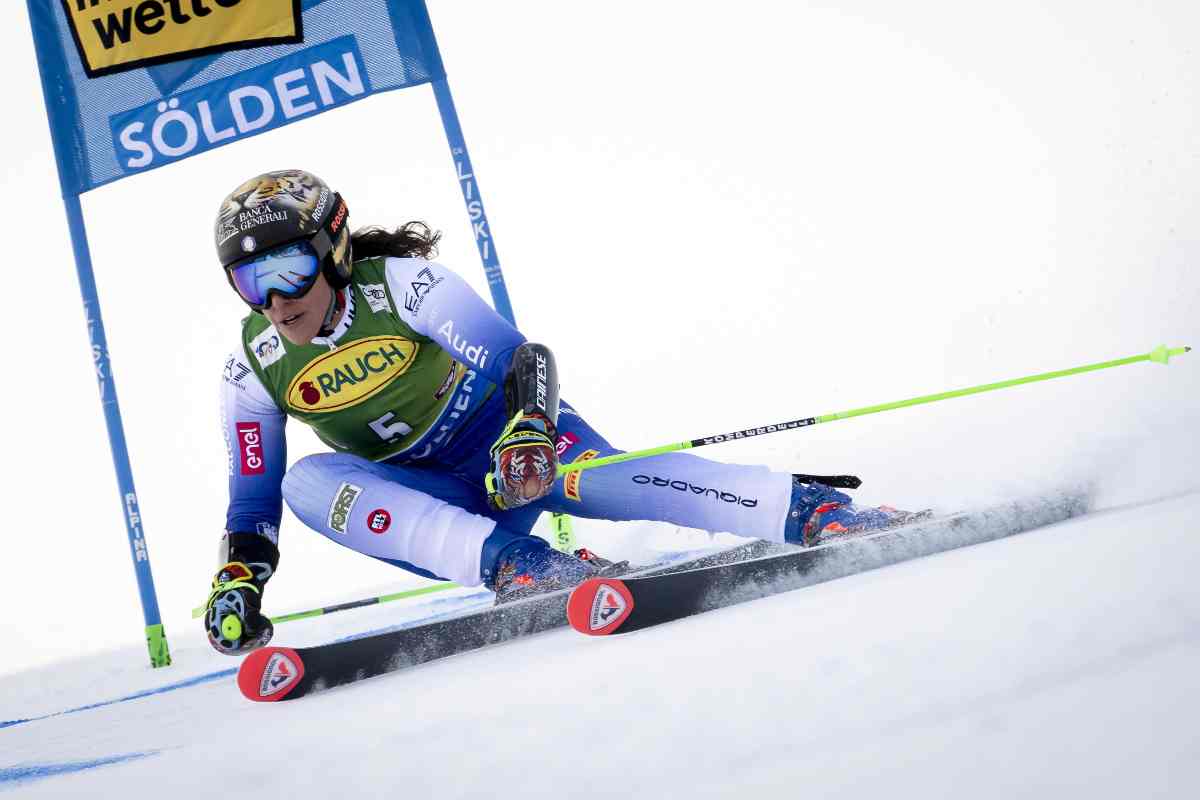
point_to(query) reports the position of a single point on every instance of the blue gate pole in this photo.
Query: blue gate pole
(470, 190)
(156, 639)
(563, 537)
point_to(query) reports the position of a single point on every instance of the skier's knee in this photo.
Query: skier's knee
(313, 475)
(309, 486)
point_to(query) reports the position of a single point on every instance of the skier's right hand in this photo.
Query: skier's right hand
(233, 617)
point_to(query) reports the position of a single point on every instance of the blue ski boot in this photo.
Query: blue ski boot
(820, 514)
(527, 566)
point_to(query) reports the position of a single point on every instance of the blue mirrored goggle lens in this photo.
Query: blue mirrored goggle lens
(289, 271)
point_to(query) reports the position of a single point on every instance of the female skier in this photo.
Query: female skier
(446, 424)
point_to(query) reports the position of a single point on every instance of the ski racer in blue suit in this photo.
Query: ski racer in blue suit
(444, 423)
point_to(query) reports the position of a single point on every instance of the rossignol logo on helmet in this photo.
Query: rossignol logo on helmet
(321, 201)
(343, 505)
(351, 374)
(338, 218)
(684, 486)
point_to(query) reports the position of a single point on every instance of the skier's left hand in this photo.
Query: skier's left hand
(524, 464)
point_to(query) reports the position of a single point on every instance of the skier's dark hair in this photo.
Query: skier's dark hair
(410, 239)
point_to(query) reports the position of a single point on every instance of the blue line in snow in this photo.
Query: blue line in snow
(212, 676)
(33, 772)
(227, 673)
(466, 603)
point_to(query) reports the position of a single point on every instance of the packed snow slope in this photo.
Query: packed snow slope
(859, 202)
(1060, 662)
(716, 219)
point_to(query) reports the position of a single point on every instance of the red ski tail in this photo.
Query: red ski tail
(270, 673)
(599, 606)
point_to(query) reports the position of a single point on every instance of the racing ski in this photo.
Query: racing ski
(606, 606)
(272, 674)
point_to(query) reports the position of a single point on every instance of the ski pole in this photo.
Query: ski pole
(1159, 355)
(370, 601)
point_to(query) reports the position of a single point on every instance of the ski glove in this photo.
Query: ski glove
(233, 618)
(524, 463)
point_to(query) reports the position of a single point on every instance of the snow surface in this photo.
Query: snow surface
(1058, 663)
(717, 218)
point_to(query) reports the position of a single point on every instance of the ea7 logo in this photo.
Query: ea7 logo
(250, 448)
(420, 287)
(234, 371)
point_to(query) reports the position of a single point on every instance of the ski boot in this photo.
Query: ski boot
(820, 514)
(528, 567)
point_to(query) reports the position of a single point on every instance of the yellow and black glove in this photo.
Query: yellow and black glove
(233, 616)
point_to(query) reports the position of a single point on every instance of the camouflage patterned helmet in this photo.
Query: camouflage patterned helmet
(277, 208)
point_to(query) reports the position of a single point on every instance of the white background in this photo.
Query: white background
(716, 218)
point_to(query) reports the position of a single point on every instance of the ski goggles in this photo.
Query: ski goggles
(288, 271)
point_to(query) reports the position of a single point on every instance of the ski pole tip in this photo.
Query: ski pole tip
(1162, 354)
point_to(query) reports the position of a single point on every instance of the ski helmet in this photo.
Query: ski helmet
(285, 207)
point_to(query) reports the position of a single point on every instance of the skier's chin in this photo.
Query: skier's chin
(295, 329)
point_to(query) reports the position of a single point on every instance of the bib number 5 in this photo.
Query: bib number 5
(387, 430)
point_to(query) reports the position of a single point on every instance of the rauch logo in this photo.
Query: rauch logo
(351, 374)
(300, 84)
